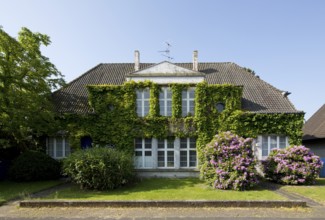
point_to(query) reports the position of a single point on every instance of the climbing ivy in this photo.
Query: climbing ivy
(115, 121)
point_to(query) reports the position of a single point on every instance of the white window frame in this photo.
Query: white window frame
(163, 109)
(188, 149)
(165, 150)
(269, 147)
(188, 100)
(142, 99)
(143, 159)
(66, 150)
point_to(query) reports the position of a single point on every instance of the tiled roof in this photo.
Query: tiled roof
(314, 128)
(258, 96)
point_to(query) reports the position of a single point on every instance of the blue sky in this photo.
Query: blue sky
(283, 41)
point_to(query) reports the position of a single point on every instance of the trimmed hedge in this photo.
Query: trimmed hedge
(293, 165)
(99, 168)
(34, 166)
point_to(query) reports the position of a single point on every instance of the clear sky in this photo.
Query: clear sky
(283, 41)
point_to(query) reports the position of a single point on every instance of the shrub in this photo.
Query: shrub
(230, 163)
(293, 165)
(34, 166)
(99, 168)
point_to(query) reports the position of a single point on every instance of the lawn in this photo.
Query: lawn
(166, 189)
(10, 190)
(315, 192)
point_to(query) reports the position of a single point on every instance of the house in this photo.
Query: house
(314, 135)
(165, 113)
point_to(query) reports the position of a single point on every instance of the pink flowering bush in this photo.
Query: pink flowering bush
(293, 165)
(230, 163)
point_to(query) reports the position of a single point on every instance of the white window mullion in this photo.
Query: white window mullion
(165, 102)
(141, 104)
(142, 150)
(188, 101)
(188, 151)
(269, 144)
(63, 147)
(54, 147)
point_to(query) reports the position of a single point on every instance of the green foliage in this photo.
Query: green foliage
(293, 165)
(26, 80)
(34, 166)
(229, 163)
(99, 168)
(115, 121)
(250, 124)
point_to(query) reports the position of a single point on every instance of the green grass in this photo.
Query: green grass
(315, 192)
(10, 190)
(166, 189)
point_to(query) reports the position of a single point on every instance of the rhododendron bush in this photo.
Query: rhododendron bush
(293, 165)
(230, 163)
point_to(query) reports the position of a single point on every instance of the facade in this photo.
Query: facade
(314, 135)
(164, 114)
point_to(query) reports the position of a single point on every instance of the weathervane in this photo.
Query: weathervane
(166, 53)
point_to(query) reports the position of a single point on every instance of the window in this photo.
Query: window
(220, 107)
(272, 142)
(187, 152)
(143, 153)
(143, 97)
(58, 147)
(165, 102)
(188, 102)
(166, 152)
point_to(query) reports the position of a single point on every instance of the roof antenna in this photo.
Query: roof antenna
(166, 53)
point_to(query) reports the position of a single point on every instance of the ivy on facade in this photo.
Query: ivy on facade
(116, 122)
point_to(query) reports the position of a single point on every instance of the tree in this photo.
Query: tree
(26, 81)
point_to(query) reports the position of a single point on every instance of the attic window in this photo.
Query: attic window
(220, 107)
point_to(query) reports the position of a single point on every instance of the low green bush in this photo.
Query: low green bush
(34, 166)
(99, 168)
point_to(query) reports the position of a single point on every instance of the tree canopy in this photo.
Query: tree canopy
(26, 80)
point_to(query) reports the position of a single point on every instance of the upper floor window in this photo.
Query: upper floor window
(165, 102)
(187, 152)
(188, 104)
(272, 142)
(143, 100)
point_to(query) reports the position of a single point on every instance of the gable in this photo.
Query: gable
(166, 69)
(166, 73)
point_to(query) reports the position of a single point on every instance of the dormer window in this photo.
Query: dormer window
(188, 105)
(165, 102)
(143, 97)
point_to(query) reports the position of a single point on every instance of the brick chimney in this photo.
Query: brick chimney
(195, 61)
(136, 60)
